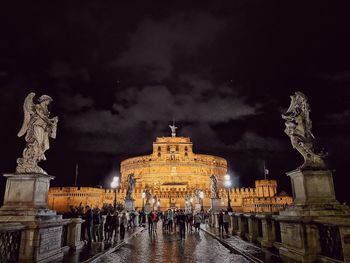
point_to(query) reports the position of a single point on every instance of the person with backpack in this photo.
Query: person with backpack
(155, 221)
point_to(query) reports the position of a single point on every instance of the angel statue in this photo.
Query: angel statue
(131, 186)
(197, 196)
(214, 187)
(148, 196)
(37, 128)
(298, 128)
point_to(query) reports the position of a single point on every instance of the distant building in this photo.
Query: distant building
(172, 173)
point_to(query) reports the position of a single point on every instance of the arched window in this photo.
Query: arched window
(158, 154)
(159, 149)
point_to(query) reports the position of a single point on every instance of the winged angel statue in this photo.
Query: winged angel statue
(298, 128)
(37, 128)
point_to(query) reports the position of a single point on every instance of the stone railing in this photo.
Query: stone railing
(10, 241)
(13, 239)
(333, 234)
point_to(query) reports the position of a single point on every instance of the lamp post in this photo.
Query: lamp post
(227, 184)
(143, 200)
(114, 185)
(201, 196)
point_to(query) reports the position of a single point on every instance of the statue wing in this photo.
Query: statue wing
(28, 109)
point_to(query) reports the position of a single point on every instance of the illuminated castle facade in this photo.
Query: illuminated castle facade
(172, 173)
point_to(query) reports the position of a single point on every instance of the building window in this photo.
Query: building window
(186, 149)
(186, 154)
(158, 154)
(158, 148)
(177, 148)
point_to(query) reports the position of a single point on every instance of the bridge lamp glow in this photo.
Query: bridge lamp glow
(115, 182)
(201, 194)
(143, 194)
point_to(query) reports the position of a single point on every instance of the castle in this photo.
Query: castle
(172, 174)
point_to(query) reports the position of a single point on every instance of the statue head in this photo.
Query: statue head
(44, 98)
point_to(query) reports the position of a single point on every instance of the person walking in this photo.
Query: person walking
(108, 227)
(122, 225)
(221, 222)
(155, 221)
(170, 220)
(150, 222)
(226, 220)
(197, 221)
(96, 227)
(115, 225)
(88, 216)
(181, 221)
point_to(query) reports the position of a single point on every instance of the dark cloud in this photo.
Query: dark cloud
(155, 43)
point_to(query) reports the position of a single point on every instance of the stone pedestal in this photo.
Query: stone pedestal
(197, 207)
(252, 228)
(25, 202)
(314, 197)
(147, 208)
(130, 204)
(74, 234)
(215, 205)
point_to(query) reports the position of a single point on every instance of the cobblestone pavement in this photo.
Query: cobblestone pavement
(165, 247)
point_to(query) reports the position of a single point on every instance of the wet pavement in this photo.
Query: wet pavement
(168, 247)
(245, 247)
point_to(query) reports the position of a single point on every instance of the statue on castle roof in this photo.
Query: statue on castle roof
(37, 127)
(148, 196)
(298, 128)
(173, 129)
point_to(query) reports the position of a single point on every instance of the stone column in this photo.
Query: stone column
(268, 230)
(253, 228)
(74, 234)
(234, 224)
(241, 225)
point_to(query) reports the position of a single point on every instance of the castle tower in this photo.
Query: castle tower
(266, 188)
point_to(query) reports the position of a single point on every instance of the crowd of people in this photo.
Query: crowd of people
(95, 229)
(116, 223)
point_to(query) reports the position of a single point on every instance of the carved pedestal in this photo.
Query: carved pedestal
(130, 204)
(147, 208)
(197, 207)
(314, 197)
(215, 205)
(25, 202)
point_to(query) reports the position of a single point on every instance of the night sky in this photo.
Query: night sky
(120, 73)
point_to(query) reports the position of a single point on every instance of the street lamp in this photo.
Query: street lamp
(143, 200)
(201, 196)
(114, 185)
(228, 184)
